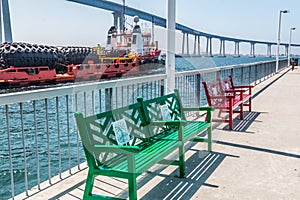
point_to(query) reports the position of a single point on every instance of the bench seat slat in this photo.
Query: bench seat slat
(189, 130)
(147, 157)
(152, 154)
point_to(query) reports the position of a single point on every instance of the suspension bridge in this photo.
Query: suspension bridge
(187, 32)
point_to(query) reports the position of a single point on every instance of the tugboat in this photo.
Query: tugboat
(125, 53)
(23, 64)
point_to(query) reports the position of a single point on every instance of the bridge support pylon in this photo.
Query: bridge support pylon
(286, 50)
(5, 18)
(208, 52)
(119, 20)
(236, 49)
(269, 50)
(222, 48)
(252, 50)
(197, 45)
(187, 44)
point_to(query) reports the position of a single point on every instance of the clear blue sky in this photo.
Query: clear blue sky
(59, 22)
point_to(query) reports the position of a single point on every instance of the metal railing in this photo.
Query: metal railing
(38, 134)
(190, 83)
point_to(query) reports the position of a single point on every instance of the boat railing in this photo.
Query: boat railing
(38, 135)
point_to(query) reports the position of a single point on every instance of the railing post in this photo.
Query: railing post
(198, 90)
(108, 99)
(242, 75)
(255, 78)
(265, 69)
(10, 154)
(162, 88)
(218, 74)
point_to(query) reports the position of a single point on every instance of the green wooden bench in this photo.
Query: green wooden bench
(169, 108)
(125, 142)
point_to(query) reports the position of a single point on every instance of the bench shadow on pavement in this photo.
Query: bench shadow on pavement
(243, 125)
(198, 170)
(199, 167)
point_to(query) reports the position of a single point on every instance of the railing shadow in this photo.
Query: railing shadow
(268, 85)
(281, 153)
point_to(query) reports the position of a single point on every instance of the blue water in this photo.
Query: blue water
(30, 127)
(196, 63)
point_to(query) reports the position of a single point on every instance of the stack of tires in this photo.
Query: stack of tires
(79, 55)
(19, 54)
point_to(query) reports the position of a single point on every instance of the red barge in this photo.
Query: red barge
(23, 64)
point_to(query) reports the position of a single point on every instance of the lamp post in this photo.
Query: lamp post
(289, 53)
(170, 56)
(278, 37)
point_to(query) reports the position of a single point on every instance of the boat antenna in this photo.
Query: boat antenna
(129, 24)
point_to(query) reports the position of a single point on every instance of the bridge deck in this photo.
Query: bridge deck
(259, 159)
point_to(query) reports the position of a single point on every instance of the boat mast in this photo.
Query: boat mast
(123, 17)
(152, 36)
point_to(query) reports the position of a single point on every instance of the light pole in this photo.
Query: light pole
(278, 38)
(289, 53)
(170, 56)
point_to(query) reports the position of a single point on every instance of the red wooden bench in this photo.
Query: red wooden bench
(227, 85)
(226, 102)
(228, 98)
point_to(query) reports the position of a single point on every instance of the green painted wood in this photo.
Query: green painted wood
(151, 140)
(170, 130)
(178, 128)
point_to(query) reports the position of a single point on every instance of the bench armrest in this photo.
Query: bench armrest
(222, 96)
(118, 149)
(208, 110)
(204, 108)
(168, 123)
(234, 90)
(244, 86)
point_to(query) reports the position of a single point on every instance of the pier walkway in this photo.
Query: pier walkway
(259, 159)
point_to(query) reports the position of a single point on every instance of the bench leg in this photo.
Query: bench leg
(241, 111)
(89, 185)
(181, 162)
(209, 137)
(220, 112)
(230, 118)
(132, 189)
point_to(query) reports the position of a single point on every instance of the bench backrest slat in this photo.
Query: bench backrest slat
(225, 85)
(230, 79)
(153, 111)
(212, 90)
(98, 129)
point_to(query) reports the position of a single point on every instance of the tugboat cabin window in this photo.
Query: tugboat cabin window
(134, 39)
(108, 39)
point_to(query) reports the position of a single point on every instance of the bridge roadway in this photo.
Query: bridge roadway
(259, 159)
(115, 7)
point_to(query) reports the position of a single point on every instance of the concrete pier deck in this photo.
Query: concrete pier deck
(259, 159)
